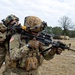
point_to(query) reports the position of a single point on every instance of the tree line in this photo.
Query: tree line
(66, 28)
(59, 31)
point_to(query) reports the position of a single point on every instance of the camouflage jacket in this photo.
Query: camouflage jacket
(20, 55)
(2, 45)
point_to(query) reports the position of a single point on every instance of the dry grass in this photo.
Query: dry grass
(63, 64)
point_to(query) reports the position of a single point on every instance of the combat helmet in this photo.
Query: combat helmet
(34, 23)
(9, 18)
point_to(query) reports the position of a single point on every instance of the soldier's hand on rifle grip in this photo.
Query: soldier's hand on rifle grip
(34, 44)
(59, 51)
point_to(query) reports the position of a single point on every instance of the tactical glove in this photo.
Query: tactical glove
(34, 43)
(59, 50)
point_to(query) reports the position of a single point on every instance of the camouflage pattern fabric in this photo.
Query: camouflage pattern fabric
(17, 53)
(34, 23)
(23, 60)
(9, 18)
(2, 55)
(15, 71)
(7, 72)
(2, 46)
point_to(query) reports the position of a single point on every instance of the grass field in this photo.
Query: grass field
(63, 64)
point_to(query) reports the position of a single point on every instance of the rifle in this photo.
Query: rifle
(45, 38)
(42, 37)
(58, 44)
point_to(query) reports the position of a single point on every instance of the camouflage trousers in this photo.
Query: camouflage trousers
(20, 72)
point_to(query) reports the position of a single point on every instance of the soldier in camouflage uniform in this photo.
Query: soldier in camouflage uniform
(24, 57)
(2, 46)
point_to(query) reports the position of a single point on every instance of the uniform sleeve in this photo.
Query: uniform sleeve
(2, 34)
(2, 37)
(2, 48)
(48, 55)
(17, 52)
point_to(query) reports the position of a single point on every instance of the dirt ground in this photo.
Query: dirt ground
(63, 64)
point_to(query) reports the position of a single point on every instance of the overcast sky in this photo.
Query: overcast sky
(47, 10)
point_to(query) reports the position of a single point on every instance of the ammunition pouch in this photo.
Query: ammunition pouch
(31, 63)
(13, 64)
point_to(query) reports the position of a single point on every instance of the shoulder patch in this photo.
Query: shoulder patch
(12, 39)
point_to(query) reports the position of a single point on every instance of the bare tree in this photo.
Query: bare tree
(65, 23)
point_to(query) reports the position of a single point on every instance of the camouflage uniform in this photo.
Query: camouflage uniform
(18, 57)
(2, 46)
(25, 57)
(4, 56)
